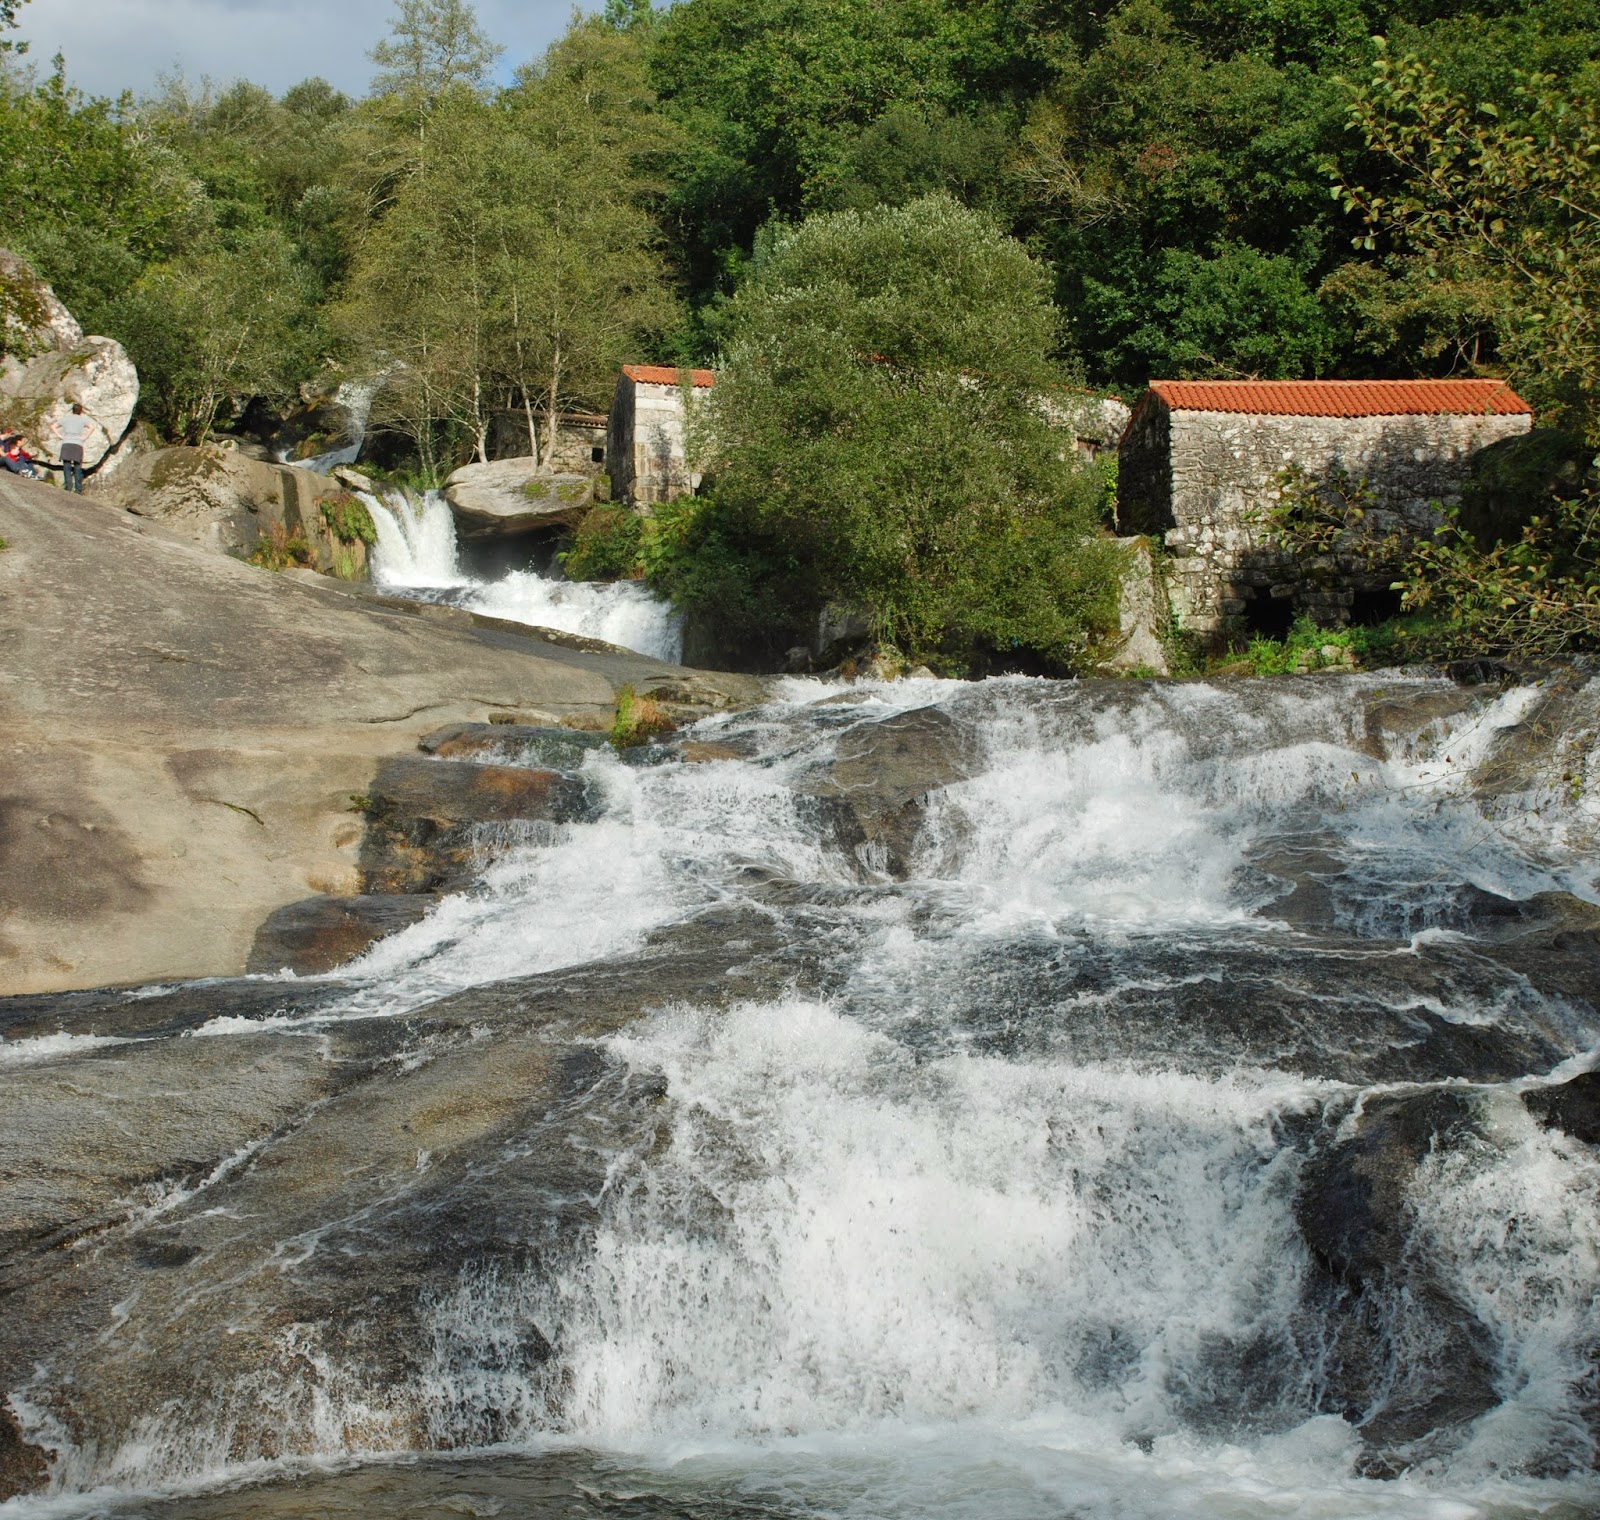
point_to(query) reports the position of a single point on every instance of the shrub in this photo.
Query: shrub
(638, 720)
(879, 441)
(605, 546)
(279, 549)
(349, 520)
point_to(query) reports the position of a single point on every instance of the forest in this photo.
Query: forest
(1209, 188)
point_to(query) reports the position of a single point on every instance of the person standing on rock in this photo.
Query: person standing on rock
(72, 432)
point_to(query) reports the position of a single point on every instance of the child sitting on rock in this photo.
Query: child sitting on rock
(16, 458)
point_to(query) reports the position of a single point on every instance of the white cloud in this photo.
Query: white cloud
(112, 45)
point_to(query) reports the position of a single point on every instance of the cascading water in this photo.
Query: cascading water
(1015, 1100)
(356, 397)
(417, 553)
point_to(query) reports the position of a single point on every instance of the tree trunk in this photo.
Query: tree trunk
(552, 417)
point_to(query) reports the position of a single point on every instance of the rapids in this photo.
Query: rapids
(417, 553)
(1009, 1100)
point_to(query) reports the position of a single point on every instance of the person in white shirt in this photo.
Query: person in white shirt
(72, 432)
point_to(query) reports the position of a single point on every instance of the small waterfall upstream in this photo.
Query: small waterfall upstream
(417, 553)
(1000, 1101)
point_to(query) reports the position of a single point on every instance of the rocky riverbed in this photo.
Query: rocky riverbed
(1008, 1099)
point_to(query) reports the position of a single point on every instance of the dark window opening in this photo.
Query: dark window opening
(1370, 607)
(597, 455)
(1268, 617)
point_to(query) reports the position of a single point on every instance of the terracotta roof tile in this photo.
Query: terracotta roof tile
(1343, 398)
(665, 374)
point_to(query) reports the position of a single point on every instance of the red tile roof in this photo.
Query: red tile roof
(665, 374)
(1343, 398)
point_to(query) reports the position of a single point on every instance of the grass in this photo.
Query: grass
(1415, 639)
(638, 720)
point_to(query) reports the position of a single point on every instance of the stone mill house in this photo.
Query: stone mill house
(646, 450)
(1203, 461)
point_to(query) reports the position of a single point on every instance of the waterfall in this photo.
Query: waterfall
(417, 552)
(904, 1100)
(356, 397)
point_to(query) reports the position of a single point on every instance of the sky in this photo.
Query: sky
(112, 45)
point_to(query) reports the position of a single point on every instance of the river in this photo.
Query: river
(998, 1101)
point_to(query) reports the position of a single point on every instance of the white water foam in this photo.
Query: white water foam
(417, 551)
(847, 1274)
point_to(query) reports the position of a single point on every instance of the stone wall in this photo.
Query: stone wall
(579, 436)
(645, 446)
(1204, 481)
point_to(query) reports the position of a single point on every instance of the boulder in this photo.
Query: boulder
(312, 937)
(1572, 1106)
(875, 789)
(51, 364)
(510, 496)
(432, 825)
(1405, 1360)
(222, 499)
(34, 318)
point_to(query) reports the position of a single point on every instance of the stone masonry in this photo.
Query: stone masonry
(1202, 463)
(645, 447)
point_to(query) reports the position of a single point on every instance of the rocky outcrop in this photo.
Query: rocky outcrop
(185, 734)
(433, 824)
(220, 498)
(876, 787)
(1572, 1106)
(319, 935)
(1142, 612)
(1356, 1213)
(50, 364)
(510, 496)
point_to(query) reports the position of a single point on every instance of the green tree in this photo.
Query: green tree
(211, 326)
(517, 265)
(877, 437)
(580, 274)
(1500, 199)
(434, 48)
(8, 19)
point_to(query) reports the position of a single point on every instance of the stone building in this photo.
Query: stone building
(1096, 422)
(580, 440)
(645, 442)
(1203, 461)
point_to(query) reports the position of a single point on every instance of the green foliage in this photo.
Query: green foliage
(208, 326)
(605, 546)
(638, 720)
(1503, 198)
(1329, 525)
(279, 548)
(878, 440)
(515, 265)
(1535, 596)
(1233, 313)
(349, 520)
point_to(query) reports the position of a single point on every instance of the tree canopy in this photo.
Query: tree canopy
(1168, 164)
(878, 436)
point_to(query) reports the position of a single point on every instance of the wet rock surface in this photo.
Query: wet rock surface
(1572, 1106)
(1407, 1360)
(320, 934)
(874, 789)
(373, 1198)
(433, 824)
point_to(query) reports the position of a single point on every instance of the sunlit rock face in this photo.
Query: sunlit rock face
(51, 364)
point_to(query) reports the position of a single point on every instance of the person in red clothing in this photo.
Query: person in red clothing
(16, 458)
